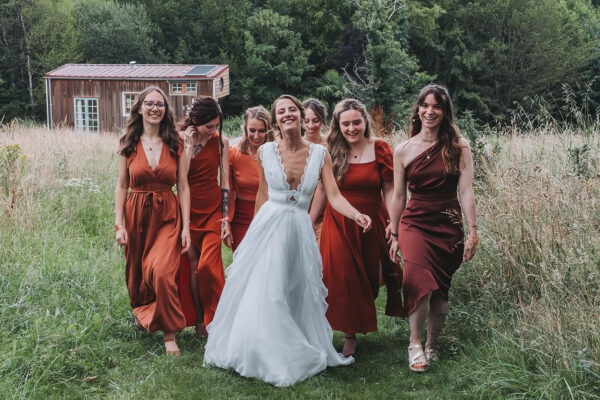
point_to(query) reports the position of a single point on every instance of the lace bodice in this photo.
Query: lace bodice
(279, 189)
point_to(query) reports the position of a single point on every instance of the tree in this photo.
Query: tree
(114, 33)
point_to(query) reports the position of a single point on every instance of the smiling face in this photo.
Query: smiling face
(287, 115)
(256, 131)
(312, 123)
(430, 112)
(352, 126)
(153, 108)
(208, 129)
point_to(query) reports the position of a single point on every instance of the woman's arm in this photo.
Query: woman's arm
(398, 199)
(263, 188)
(318, 203)
(183, 190)
(467, 199)
(120, 198)
(225, 193)
(339, 202)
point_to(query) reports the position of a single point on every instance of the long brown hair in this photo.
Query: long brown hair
(260, 113)
(135, 126)
(204, 109)
(297, 103)
(318, 108)
(336, 142)
(448, 135)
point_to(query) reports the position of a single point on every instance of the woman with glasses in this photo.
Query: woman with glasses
(208, 176)
(148, 221)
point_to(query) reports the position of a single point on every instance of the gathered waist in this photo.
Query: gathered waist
(152, 187)
(433, 196)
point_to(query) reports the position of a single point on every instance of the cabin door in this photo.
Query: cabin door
(86, 114)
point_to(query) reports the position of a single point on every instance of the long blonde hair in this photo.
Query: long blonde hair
(448, 135)
(260, 113)
(336, 142)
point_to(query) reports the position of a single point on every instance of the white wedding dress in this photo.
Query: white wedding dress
(270, 322)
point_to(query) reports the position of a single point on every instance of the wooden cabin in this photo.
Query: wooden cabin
(98, 97)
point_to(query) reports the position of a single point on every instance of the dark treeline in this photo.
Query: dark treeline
(492, 54)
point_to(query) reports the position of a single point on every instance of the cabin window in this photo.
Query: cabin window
(221, 84)
(86, 114)
(128, 100)
(184, 88)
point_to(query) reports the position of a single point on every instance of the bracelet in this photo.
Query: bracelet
(117, 227)
(394, 235)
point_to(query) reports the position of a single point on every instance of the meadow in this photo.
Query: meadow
(524, 320)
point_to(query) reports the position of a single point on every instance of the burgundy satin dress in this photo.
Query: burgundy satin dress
(430, 234)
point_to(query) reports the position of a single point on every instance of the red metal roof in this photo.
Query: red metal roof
(135, 71)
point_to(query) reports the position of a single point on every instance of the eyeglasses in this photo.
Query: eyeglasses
(150, 104)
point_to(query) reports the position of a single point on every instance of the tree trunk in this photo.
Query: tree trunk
(28, 58)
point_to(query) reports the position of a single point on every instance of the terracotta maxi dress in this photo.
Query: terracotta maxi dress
(205, 231)
(245, 177)
(430, 234)
(354, 262)
(153, 223)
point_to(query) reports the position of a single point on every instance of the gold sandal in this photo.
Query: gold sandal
(412, 361)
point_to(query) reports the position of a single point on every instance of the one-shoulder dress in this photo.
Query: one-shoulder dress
(354, 262)
(430, 233)
(270, 323)
(153, 223)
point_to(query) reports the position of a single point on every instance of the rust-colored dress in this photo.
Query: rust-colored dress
(205, 231)
(153, 223)
(244, 181)
(354, 262)
(430, 234)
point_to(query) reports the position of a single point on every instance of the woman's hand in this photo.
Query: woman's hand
(364, 221)
(186, 240)
(388, 233)
(394, 247)
(226, 234)
(121, 235)
(470, 247)
(189, 138)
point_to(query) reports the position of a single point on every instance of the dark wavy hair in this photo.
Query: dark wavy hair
(204, 109)
(297, 103)
(448, 135)
(336, 142)
(260, 113)
(319, 109)
(135, 125)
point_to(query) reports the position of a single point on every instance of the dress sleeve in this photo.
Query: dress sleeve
(385, 160)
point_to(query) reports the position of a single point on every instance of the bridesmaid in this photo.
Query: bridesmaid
(434, 163)
(355, 263)
(243, 170)
(148, 222)
(315, 120)
(207, 154)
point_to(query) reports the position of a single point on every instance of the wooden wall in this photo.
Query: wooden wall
(109, 95)
(225, 91)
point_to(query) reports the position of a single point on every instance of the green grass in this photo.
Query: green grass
(524, 319)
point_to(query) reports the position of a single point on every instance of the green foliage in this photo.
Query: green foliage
(12, 167)
(113, 32)
(579, 158)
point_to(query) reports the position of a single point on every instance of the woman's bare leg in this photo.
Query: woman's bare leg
(435, 320)
(193, 256)
(416, 320)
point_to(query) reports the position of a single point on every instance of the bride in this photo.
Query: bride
(270, 322)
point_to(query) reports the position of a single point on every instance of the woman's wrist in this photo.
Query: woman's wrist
(119, 226)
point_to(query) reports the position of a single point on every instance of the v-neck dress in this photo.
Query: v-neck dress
(205, 232)
(270, 323)
(355, 262)
(153, 223)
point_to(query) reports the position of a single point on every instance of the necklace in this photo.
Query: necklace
(252, 155)
(197, 149)
(359, 156)
(428, 151)
(151, 143)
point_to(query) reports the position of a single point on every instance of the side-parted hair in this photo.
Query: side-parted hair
(135, 126)
(336, 142)
(204, 109)
(318, 108)
(297, 103)
(260, 113)
(448, 135)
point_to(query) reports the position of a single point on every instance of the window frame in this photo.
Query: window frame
(84, 125)
(124, 102)
(185, 91)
